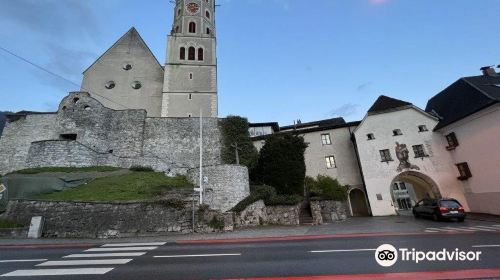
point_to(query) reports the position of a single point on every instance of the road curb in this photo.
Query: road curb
(49, 246)
(313, 237)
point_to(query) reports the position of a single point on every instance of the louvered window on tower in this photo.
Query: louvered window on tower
(192, 27)
(200, 54)
(183, 53)
(191, 53)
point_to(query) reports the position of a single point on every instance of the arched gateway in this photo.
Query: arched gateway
(409, 187)
(357, 202)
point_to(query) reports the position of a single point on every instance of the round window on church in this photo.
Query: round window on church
(136, 85)
(110, 85)
(127, 67)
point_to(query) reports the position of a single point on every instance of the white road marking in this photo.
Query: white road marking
(438, 229)
(482, 229)
(49, 272)
(85, 262)
(194, 256)
(496, 226)
(344, 250)
(431, 231)
(485, 246)
(12, 261)
(106, 255)
(460, 228)
(488, 227)
(134, 244)
(120, 249)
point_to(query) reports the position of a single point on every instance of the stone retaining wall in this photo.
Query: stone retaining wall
(225, 187)
(259, 214)
(112, 219)
(327, 211)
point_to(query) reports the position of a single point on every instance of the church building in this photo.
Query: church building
(128, 76)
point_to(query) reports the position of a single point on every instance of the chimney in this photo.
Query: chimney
(488, 71)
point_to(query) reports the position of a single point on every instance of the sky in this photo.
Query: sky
(278, 60)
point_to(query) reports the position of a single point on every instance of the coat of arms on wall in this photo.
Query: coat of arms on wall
(403, 156)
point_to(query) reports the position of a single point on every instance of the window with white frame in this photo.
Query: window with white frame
(325, 139)
(330, 162)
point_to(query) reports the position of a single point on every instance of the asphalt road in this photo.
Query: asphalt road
(330, 256)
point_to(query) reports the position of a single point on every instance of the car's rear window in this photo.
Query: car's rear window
(449, 203)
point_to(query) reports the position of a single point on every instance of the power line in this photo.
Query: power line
(57, 75)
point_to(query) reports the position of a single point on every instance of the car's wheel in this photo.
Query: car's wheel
(461, 219)
(416, 215)
(435, 217)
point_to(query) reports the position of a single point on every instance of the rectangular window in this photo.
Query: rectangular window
(370, 136)
(330, 162)
(397, 132)
(452, 141)
(419, 151)
(422, 128)
(325, 139)
(385, 155)
(463, 169)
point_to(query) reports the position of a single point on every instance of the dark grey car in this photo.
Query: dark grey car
(439, 209)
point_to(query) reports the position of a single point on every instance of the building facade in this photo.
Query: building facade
(469, 112)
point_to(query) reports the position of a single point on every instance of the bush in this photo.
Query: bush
(235, 130)
(215, 223)
(10, 224)
(141, 168)
(281, 164)
(326, 188)
(172, 203)
(268, 195)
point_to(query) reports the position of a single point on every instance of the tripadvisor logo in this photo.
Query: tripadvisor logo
(387, 255)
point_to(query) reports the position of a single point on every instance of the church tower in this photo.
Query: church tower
(190, 82)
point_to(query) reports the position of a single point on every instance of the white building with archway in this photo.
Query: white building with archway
(396, 143)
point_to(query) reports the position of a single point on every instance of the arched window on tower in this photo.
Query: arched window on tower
(192, 27)
(177, 29)
(191, 53)
(207, 14)
(200, 54)
(208, 31)
(183, 53)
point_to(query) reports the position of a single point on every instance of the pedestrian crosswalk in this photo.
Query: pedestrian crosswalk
(488, 228)
(84, 263)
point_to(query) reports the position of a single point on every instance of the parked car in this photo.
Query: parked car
(438, 209)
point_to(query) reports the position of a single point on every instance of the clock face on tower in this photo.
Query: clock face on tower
(193, 8)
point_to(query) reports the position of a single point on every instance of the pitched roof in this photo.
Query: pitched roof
(320, 123)
(464, 97)
(384, 103)
(131, 35)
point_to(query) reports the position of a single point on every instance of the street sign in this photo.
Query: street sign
(2, 188)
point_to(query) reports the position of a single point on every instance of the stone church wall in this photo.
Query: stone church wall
(102, 136)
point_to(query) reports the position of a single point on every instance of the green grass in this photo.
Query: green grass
(132, 186)
(10, 224)
(67, 169)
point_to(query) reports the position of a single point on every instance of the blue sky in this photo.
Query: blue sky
(279, 60)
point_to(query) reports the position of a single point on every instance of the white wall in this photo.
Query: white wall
(379, 175)
(478, 136)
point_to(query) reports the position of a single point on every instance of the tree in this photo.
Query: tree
(325, 187)
(235, 135)
(281, 164)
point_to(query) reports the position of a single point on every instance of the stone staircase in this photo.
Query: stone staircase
(305, 217)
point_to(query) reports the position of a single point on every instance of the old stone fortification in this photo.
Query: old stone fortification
(327, 211)
(217, 193)
(84, 133)
(258, 213)
(114, 219)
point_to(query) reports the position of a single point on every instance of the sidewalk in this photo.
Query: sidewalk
(483, 217)
(354, 225)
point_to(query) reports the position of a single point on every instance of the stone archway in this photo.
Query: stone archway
(357, 202)
(409, 187)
